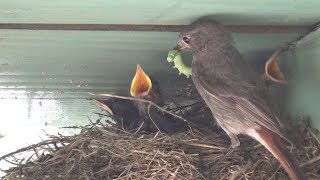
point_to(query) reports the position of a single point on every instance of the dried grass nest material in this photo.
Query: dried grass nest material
(106, 152)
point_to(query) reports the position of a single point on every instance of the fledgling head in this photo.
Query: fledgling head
(145, 87)
(141, 84)
(203, 34)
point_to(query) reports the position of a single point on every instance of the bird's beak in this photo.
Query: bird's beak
(273, 71)
(179, 47)
(141, 83)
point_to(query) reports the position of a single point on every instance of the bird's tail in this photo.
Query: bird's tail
(272, 142)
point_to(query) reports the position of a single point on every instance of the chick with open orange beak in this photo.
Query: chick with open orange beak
(140, 115)
(151, 119)
(273, 71)
(141, 84)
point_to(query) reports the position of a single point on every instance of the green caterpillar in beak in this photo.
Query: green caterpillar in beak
(175, 57)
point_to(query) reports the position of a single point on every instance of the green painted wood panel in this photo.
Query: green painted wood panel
(160, 12)
(303, 66)
(51, 60)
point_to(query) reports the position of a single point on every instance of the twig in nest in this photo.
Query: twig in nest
(174, 174)
(155, 124)
(24, 149)
(311, 161)
(185, 106)
(242, 170)
(206, 146)
(151, 104)
(314, 135)
(149, 164)
(16, 164)
(139, 128)
(273, 174)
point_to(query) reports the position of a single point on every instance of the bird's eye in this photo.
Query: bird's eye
(186, 40)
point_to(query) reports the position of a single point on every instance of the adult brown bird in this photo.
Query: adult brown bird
(137, 115)
(236, 95)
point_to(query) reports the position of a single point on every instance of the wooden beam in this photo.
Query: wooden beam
(157, 28)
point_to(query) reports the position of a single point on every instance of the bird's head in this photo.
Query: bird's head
(142, 86)
(203, 34)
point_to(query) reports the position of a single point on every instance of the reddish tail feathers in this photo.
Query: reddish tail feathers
(272, 142)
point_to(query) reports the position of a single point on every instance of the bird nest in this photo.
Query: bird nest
(105, 151)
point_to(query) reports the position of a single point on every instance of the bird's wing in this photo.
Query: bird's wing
(245, 100)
